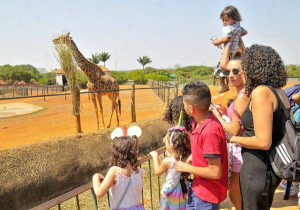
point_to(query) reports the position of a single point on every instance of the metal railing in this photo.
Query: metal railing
(145, 161)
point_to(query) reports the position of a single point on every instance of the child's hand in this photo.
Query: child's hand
(154, 154)
(216, 43)
(98, 176)
(181, 166)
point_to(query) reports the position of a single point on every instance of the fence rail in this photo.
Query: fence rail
(79, 190)
(14, 91)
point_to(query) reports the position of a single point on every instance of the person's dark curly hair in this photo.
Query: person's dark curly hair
(181, 144)
(124, 150)
(172, 114)
(263, 66)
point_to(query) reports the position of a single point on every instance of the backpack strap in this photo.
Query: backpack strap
(281, 104)
(287, 190)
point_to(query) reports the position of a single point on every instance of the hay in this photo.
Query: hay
(33, 174)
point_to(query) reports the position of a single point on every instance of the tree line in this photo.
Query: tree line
(29, 73)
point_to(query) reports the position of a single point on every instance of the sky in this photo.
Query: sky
(170, 32)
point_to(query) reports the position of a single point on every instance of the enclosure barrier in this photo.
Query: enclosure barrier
(14, 91)
(77, 191)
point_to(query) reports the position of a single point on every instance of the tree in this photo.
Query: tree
(104, 56)
(95, 58)
(144, 61)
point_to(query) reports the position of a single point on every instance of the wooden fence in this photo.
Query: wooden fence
(15, 91)
(163, 90)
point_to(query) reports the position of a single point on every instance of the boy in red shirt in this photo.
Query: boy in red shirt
(209, 150)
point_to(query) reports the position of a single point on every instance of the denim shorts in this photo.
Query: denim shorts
(195, 203)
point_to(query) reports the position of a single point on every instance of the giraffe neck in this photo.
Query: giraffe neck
(90, 69)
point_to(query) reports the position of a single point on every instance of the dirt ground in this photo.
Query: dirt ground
(56, 118)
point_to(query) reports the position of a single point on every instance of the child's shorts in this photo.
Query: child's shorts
(237, 159)
(196, 203)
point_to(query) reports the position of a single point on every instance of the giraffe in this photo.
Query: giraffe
(97, 79)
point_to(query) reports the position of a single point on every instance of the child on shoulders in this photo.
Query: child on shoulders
(178, 147)
(124, 180)
(231, 18)
(209, 150)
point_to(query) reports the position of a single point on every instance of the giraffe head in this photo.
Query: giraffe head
(63, 39)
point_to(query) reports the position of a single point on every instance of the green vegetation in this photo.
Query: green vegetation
(95, 58)
(293, 71)
(104, 56)
(139, 76)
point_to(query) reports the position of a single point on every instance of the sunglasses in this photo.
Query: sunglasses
(235, 71)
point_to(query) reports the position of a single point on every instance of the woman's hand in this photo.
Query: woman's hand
(222, 109)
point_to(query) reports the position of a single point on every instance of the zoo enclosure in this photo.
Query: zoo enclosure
(14, 91)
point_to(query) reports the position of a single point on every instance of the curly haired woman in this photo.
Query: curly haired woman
(262, 121)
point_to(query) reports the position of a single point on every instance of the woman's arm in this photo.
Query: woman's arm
(225, 56)
(240, 104)
(159, 169)
(102, 188)
(262, 111)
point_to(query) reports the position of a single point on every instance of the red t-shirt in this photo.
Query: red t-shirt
(209, 140)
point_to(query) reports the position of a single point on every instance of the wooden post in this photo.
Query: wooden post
(133, 113)
(158, 91)
(168, 96)
(47, 89)
(164, 94)
(37, 90)
(175, 90)
(31, 91)
(13, 92)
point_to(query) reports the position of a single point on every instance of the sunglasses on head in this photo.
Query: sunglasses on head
(235, 71)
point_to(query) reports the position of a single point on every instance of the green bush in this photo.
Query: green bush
(43, 81)
(120, 76)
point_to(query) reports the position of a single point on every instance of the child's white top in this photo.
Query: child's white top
(171, 177)
(230, 30)
(133, 194)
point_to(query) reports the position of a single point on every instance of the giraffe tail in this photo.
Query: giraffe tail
(119, 103)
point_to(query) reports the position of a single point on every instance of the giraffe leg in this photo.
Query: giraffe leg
(96, 108)
(113, 99)
(101, 107)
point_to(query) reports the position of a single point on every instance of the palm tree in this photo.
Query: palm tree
(95, 58)
(104, 56)
(144, 61)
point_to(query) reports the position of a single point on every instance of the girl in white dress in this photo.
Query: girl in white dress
(124, 180)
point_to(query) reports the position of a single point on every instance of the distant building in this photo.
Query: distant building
(60, 77)
(104, 69)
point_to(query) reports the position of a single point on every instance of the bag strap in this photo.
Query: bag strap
(126, 189)
(287, 190)
(280, 103)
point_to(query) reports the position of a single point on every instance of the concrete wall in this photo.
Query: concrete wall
(33, 174)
